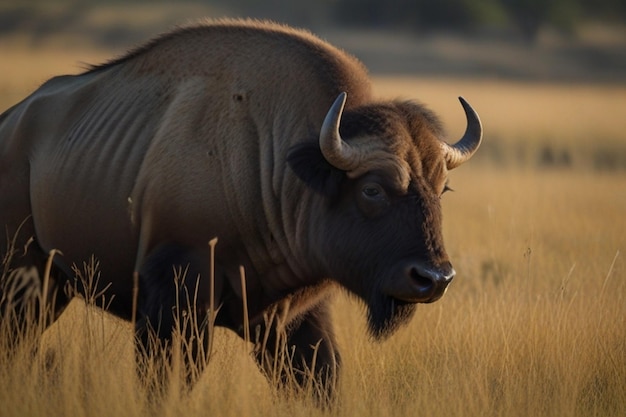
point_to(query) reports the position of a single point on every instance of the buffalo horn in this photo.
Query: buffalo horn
(461, 151)
(337, 152)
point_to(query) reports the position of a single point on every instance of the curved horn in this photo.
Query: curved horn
(461, 151)
(337, 152)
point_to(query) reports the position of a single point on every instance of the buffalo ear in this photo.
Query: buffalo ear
(308, 163)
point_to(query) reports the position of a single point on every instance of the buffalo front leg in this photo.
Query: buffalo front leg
(300, 357)
(172, 325)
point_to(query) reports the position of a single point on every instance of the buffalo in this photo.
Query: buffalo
(261, 135)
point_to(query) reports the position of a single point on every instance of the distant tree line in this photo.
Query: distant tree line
(527, 16)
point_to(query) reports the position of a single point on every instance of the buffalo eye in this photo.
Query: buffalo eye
(373, 199)
(372, 190)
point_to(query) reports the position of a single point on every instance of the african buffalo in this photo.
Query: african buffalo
(259, 134)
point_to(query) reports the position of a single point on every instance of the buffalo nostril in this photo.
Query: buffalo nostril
(422, 278)
(426, 278)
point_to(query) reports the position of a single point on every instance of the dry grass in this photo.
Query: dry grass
(526, 123)
(534, 324)
(524, 110)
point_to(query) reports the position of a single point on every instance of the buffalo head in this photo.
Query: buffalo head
(379, 171)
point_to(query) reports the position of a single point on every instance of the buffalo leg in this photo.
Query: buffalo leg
(302, 357)
(171, 301)
(24, 307)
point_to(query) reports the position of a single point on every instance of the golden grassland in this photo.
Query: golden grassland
(534, 323)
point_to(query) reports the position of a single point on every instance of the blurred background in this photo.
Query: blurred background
(529, 39)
